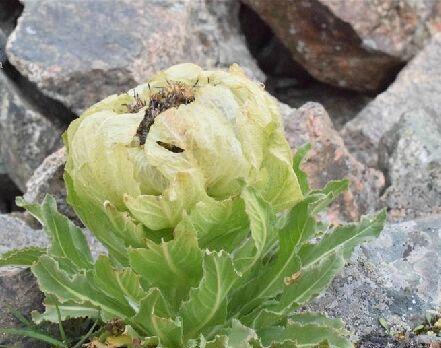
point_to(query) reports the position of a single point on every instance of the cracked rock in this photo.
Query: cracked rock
(26, 136)
(357, 44)
(330, 160)
(59, 45)
(417, 87)
(410, 154)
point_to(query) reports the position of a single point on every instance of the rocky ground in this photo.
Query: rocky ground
(360, 80)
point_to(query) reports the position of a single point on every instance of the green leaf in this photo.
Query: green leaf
(318, 319)
(332, 190)
(312, 281)
(67, 240)
(174, 267)
(120, 284)
(96, 221)
(79, 289)
(240, 336)
(153, 319)
(33, 334)
(271, 280)
(207, 304)
(262, 219)
(305, 336)
(219, 225)
(343, 237)
(68, 310)
(21, 257)
(298, 159)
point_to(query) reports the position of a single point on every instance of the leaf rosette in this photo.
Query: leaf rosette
(212, 240)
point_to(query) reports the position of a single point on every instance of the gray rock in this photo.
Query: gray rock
(9, 12)
(16, 234)
(418, 86)
(48, 179)
(329, 159)
(79, 52)
(396, 278)
(26, 135)
(410, 154)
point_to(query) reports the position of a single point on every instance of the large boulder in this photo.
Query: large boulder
(82, 51)
(356, 44)
(417, 87)
(410, 154)
(329, 159)
(26, 135)
(389, 283)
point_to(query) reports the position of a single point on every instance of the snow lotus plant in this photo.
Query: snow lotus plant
(211, 229)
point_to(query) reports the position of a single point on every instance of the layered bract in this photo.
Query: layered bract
(231, 136)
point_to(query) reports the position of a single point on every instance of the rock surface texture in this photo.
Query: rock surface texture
(330, 160)
(63, 54)
(410, 154)
(356, 44)
(417, 87)
(395, 278)
(26, 135)
(48, 179)
(18, 292)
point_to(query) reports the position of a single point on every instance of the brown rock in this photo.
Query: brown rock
(330, 160)
(357, 44)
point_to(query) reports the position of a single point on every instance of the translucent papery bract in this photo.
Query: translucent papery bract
(227, 135)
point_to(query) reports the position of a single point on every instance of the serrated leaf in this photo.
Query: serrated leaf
(68, 310)
(153, 319)
(262, 219)
(343, 237)
(21, 257)
(240, 336)
(331, 191)
(311, 282)
(67, 240)
(306, 336)
(79, 289)
(207, 304)
(121, 284)
(174, 267)
(271, 279)
(298, 159)
(96, 221)
(130, 232)
(318, 319)
(219, 225)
